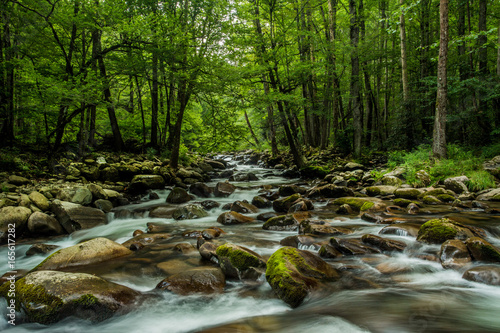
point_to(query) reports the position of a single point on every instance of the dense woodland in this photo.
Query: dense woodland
(206, 75)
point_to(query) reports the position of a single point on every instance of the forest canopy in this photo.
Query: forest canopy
(207, 75)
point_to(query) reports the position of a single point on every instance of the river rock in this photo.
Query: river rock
(431, 200)
(90, 172)
(288, 190)
(491, 195)
(381, 190)
(283, 205)
(147, 239)
(328, 251)
(82, 196)
(215, 164)
(90, 252)
(200, 190)
(204, 280)
(209, 204)
(40, 249)
(301, 205)
(42, 224)
(49, 296)
(235, 261)
(423, 178)
(243, 207)
(208, 251)
(454, 254)
(243, 177)
(261, 202)
(401, 229)
(39, 200)
(281, 223)
(487, 274)
(178, 195)
(493, 166)
(293, 274)
(321, 228)
(384, 244)
(457, 184)
(352, 246)
(104, 205)
(408, 193)
(438, 231)
(97, 192)
(361, 204)
(18, 180)
(298, 241)
(9, 216)
(482, 250)
(142, 183)
(234, 218)
(330, 191)
(211, 233)
(189, 212)
(224, 189)
(74, 217)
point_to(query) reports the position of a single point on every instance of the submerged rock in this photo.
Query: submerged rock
(49, 296)
(293, 273)
(487, 274)
(204, 280)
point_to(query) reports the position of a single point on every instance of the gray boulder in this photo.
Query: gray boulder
(74, 217)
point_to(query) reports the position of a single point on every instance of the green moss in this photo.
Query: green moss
(366, 206)
(355, 203)
(483, 250)
(239, 258)
(407, 193)
(87, 301)
(446, 197)
(38, 304)
(314, 171)
(403, 202)
(437, 231)
(431, 200)
(373, 191)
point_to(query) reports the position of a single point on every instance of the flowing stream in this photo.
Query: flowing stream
(417, 296)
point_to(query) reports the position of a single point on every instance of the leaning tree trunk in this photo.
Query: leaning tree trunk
(439, 138)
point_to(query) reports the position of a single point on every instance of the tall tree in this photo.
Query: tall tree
(439, 137)
(6, 77)
(355, 100)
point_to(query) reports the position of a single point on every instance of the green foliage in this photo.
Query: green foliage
(459, 162)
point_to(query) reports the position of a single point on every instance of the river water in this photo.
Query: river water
(418, 295)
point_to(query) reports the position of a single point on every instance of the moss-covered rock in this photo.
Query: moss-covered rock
(445, 197)
(454, 254)
(383, 243)
(179, 195)
(282, 222)
(322, 228)
(431, 200)
(204, 280)
(235, 261)
(374, 191)
(408, 193)
(283, 205)
(49, 296)
(401, 202)
(243, 207)
(314, 171)
(360, 204)
(90, 252)
(287, 190)
(438, 231)
(293, 273)
(482, 250)
(330, 191)
(189, 212)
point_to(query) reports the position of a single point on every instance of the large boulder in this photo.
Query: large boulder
(493, 166)
(487, 274)
(493, 195)
(224, 189)
(189, 212)
(42, 224)
(90, 252)
(18, 180)
(408, 193)
(13, 216)
(234, 218)
(97, 192)
(380, 190)
(457, 184)
(82, 196)
(238, 261)
(293, 273)
(39, 200)
(204, 280)
(49, 296)
(178, 195)
(437, 231)
(142, 183)
(482, 250)
(75, 217)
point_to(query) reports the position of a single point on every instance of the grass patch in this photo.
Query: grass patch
(460, 162)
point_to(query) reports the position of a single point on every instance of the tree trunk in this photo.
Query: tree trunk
(141, 108)
(117, 137)
(404, 65)
(7, 79)
(257, 143)
(355, 85)
(482, 39)
(439, 137)
(154, 99)
(183, 96)
(498, 52)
